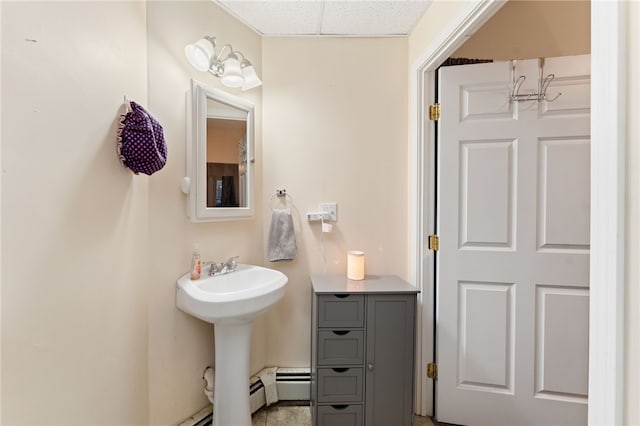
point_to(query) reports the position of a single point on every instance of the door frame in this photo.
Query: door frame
(608, 139)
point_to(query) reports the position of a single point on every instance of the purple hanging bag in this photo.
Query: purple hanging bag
(141, 144)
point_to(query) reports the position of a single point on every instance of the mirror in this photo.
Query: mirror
(219, 179)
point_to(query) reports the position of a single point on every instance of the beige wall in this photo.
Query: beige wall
(180, 347)
(429, 28)
(335, 130)
(90, 331)
(533, 29)
(74, 241)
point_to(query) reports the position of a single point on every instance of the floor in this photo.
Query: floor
(292, 415)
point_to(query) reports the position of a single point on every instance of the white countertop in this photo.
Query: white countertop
(370, 284)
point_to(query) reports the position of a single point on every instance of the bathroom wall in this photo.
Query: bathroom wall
(335, 130)
(430, 27)
(91, 252)
(180, 346)
(74, 243)
(535, 29)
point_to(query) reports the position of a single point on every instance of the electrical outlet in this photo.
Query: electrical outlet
(331, 209)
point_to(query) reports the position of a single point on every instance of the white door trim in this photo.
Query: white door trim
(421, 173)
(608, 112)
(608, 138)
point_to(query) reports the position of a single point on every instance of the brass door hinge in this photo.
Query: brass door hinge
(434, 242)
(434, 112)
(432, 371)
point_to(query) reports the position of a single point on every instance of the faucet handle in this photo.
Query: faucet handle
(214, 268)
(232, 262)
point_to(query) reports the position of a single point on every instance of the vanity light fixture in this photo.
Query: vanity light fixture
(233, 69)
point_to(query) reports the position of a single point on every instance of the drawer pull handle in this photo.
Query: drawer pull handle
(341, 296)
(341, 332)
(340, 370)
(370, 366)
(339, 407)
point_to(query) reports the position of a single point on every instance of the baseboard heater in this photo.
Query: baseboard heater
(293, 384)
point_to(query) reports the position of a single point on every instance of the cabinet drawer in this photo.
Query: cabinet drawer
(340, 347)
(337, 385)
(340, 415)
(341, 310)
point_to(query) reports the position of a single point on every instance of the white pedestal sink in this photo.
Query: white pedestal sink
(231, 302)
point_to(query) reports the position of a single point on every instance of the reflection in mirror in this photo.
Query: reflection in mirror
(226, 155)
(219, 155)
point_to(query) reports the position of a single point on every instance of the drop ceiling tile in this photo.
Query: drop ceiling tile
(328, 17)
(372, 17)
(298, 17)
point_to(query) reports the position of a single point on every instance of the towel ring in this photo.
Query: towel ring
(281, 194)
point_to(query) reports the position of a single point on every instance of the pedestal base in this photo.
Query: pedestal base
(231, 397)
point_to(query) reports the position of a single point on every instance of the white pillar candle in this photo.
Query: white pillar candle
(355, 265)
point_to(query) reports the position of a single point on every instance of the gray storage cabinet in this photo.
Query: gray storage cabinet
(362, 351)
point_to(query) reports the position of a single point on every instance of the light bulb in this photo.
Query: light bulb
(251, 79)
(232, 76)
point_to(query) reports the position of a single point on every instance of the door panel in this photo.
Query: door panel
(486, 336)
(486, 194)
(562, 194)
(513, 266)
(485, 102)
(561, 342)
(573, 80)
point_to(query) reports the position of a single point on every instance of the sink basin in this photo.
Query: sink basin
(231, 302)
(237, 296)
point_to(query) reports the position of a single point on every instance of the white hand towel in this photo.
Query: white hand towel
(282, 239)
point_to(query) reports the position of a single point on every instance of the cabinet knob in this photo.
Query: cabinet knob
(370, 366)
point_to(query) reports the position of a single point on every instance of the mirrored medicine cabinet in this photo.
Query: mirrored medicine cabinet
(220, 152)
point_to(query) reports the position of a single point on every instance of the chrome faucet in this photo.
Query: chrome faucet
(223, 267)
(230, 265)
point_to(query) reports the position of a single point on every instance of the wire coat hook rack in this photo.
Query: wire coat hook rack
(543, 85)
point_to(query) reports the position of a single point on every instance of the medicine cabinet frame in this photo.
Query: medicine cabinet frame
(195, 182)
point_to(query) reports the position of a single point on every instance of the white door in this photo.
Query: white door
(513, 266)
